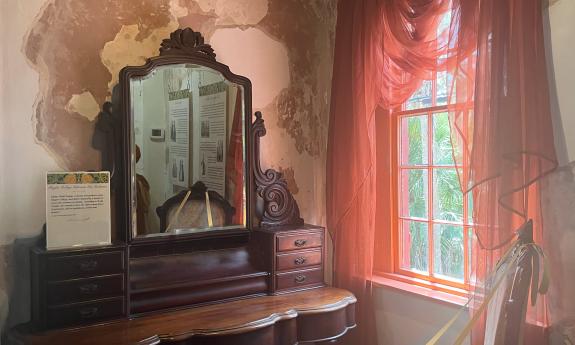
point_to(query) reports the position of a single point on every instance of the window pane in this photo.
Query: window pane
(421, 98)
(442, 149)
(470, 240)
(470, 208)
(413, 139)
(415, 248)
(448, 251)
(447, 195)
(413, 191)
(444, 24)
(444, 84)
(443, 31)
(465, 91)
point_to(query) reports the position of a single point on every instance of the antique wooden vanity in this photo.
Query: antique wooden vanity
(207, 248)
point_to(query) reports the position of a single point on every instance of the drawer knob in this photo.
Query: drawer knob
(88, 288)
(88, 265)
(300, 278)
(300, 260)
(88, 312)
(300, 243)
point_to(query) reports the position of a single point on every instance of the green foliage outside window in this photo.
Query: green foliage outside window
(447, 199)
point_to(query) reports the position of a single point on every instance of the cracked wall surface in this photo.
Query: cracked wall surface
(284, 47)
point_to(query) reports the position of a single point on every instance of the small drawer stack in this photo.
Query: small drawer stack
(296, 258)
(74, 288)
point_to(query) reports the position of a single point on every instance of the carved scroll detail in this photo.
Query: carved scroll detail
(186, 42)
(280, 207)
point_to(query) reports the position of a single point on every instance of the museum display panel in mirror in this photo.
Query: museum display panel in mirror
(188, 151)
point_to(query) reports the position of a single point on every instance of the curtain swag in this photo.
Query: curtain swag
(494, 55)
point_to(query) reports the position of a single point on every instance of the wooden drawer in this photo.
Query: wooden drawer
(88, 265)
(81, 313)
(299, 241)
(296, 260)
(297, 279)
(79, 290)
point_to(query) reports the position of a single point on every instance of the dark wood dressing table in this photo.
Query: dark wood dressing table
(257, 279)
(309, 316)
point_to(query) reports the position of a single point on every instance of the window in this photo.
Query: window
(433, 225)
(425, 234)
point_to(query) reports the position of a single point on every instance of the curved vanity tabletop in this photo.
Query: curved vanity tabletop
(307, 316)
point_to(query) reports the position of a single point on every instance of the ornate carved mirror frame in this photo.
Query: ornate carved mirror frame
(185, 46)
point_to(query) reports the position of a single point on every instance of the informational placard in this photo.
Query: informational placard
(212, 141)
(178, 133)
(77, 209)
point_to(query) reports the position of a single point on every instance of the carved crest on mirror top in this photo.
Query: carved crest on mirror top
(186, 42)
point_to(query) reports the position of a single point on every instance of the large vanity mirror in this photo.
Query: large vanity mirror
(186, 119)
(188, 144)
(189, 159)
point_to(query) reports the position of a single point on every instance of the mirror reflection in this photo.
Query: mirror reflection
(188, 151)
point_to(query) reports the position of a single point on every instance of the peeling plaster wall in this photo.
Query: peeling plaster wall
(284, 47)
(60, 58)
(22, 160)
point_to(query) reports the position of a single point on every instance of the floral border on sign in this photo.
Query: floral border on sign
(77, 178)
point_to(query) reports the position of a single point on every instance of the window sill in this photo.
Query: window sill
(437, 292)
(535, 332)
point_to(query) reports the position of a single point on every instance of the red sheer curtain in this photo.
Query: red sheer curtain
(383, 51)
(511, 145)
(351, 155)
